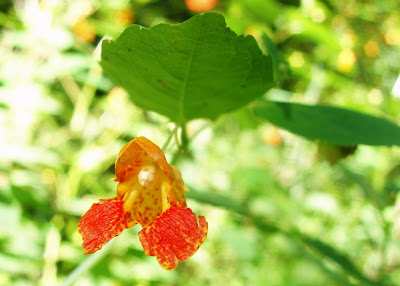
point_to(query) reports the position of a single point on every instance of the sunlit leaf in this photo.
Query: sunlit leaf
(197, 69)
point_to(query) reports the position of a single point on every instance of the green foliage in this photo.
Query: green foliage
(272, 50)
(197, 69)
(340, 259)
(331, 124)
(279, 214)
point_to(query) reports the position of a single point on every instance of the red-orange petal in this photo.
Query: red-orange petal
(174, 236)
(102, 222)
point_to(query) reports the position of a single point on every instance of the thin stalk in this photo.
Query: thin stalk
(87, 264)
(171, 134)
(184, 139)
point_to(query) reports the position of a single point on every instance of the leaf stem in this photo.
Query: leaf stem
(171, 134)
(182, 142)
(184, 139)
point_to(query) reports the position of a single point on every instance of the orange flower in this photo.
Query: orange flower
(149, 192)
(200, 5)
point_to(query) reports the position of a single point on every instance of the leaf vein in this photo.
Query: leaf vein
(186, 80)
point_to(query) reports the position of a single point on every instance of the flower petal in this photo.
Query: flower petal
(102, 222)
(138, 152)
(176, 195)
(174, 236)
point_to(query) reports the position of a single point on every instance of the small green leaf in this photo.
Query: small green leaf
(333, 153)
(197, 69)
(274, 53)
(331, 124)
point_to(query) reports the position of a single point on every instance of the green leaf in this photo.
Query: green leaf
(274, 53)
(197, 69)
(264, 11)
(331, 124)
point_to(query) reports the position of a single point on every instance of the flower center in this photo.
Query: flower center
(146, 175)
(144, 192)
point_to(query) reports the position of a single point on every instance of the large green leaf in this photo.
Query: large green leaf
(197, 69)
(331, 124)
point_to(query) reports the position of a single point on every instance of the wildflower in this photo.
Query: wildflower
(149, 192)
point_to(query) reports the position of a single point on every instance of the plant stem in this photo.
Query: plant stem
(182, 144)
(184, 139)
(85, 265)
(171, 134)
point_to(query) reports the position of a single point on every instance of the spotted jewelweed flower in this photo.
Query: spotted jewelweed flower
(149, 192)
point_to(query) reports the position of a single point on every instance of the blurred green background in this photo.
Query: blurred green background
(281, 210)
